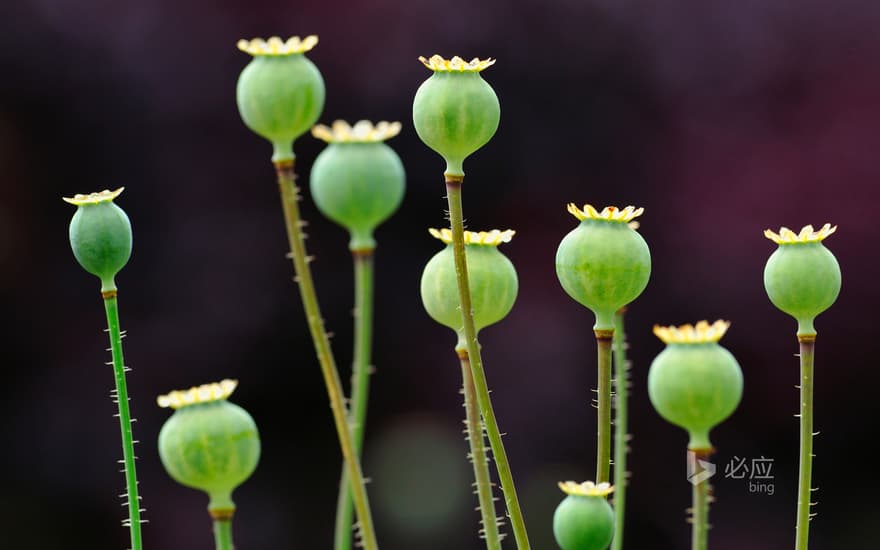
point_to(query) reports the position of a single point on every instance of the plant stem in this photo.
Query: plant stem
(621, 437)
(360, 387)
(807, 349)
(119, 369)
(483, 479)
(453, 194)
(223, 533)
(700, 529)
(603, 434)
(289, 201)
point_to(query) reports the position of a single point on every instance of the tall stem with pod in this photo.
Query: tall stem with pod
(358, 182)
(604, 264)
(802, 278)
(696, 384)
(101, 239)
(493, 287)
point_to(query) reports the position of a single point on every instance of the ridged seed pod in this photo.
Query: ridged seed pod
(603, 263)
(493, 281)
(100, 235)
(695, 383)
(802, 277)
(455, 111)
(358, 180)
(209, 443)
(584, 520)
(280, 93)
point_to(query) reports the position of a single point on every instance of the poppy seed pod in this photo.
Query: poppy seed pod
(280, 93)
(492, 277)
(455, 111)
(584, 520)
(358, 180)
(695, 383)
(100, 235)
(802, 277)
(209, 443)
(603, 263)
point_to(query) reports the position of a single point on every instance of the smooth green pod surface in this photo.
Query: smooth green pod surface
(100, 237)
(280, 97)
(583, 523)
(456, 113)
(493, 283)
(604, 265)
(211, 446)
(803, 280)
(695, 386)
(358, 185)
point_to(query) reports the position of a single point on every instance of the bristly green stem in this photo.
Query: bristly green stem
(360, 387)
(621, 435)
(700, 528)
(603, 400)
(119, 369)
(482, 477)
(223, 534)
(453, 194)
(807, 349)
(289, 201)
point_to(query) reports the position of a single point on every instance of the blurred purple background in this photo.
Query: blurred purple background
(720, 118)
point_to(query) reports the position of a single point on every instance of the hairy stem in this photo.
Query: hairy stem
(700, 528)
(289, 201)
(621, 437)
(223, 533)
(360, 387)
(453, 194)
(807, 348)
(603, 434)
(119, 369)
(482, 476)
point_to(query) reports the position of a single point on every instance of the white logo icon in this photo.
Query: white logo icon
(698, 470)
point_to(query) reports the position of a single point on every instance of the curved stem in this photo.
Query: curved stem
(289, 201)
(223, 534)
(603, 434)
(807, 348)
(621, 437)
(700, 529)
(125, 420)
(360, 387)
(482, 477)
(453, 194)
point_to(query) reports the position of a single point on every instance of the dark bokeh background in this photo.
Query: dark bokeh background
(720, 118)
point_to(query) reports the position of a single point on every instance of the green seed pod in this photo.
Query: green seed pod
(802, 277)
(603, 263)
(358, 181)
(209, 443)
(584, 520)
(100, 235)
(280, 94)
(492, 278)
(695, 383)
(455, 111)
